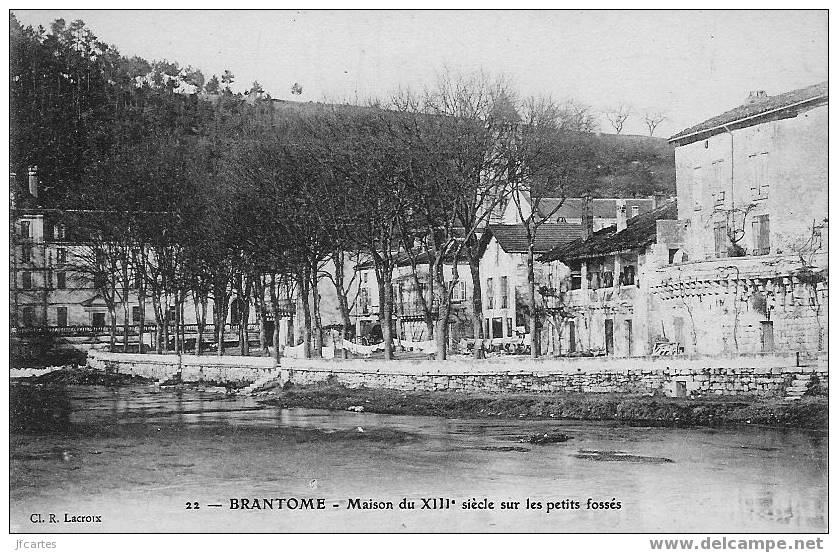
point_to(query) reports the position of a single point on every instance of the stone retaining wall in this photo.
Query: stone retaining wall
(746, 374)
(192, 368)
(751, 374)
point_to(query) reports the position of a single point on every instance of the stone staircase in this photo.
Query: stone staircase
(798, 387)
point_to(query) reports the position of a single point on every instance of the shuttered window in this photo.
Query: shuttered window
(720, 239)
(761, 235)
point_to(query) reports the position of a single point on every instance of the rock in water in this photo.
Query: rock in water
(548, 438)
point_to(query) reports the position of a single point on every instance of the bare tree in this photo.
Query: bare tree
(652, 120)
(544, 161)
(617, 116)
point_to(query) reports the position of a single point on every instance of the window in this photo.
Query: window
(627, 276)
(720, 239)
(718, 182)
(61, 280)
(509, 327)
(504, 292)
(27, 280)
(28, 316)
(61, 316)
(97, 320)
(25, 254)
(758, 168)
(672, 253)
(60, 232)
(698, 187)
(575, 276)
(364, 300)
(24, 229)
(635, 210)
(364, 276)
(761, 235)
(61, 255)
(594, 274)
(459, 292)
(490, 293)
(135, 314)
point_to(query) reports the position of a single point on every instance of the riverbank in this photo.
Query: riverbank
(74, 375)
(809, 413)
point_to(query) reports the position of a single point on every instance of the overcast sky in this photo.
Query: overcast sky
(690, 65)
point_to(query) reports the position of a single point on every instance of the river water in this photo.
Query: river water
(136, 456)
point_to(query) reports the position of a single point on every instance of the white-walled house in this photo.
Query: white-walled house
(503, 273)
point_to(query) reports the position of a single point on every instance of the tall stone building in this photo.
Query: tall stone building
(752, 192)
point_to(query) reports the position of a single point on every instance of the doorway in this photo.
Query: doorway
(609, 336)
(629, 338)
(767, 335)
(497, 327)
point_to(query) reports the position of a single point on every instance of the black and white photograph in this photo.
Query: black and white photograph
(419, 271)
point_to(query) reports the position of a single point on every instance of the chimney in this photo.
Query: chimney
(33, 181)
(621, 215)
(587, 218)
(756, 96)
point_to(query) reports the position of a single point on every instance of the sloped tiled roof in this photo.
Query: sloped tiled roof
(640, 231)
(513, 238)
(795, 101)
(604, 208)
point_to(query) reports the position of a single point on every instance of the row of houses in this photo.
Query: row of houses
(735, 262)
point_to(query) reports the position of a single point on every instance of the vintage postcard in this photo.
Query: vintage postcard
(419, 272)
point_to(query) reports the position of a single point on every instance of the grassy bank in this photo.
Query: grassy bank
(808, 413)
(83, 376)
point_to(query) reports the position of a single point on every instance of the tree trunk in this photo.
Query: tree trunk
(125, 313)
(165, 322)
(261, 313)
(220, 318)
(275, 309)
(141, 300)
(199, 301)
(112, 313)
(244, 335)
(385, 312)
(316, 322)
(535, 346)
(158, 318)
(476, 307)
(221, 302)
(182, 321)
(443, 311)
(302, 284)
(343, 302)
